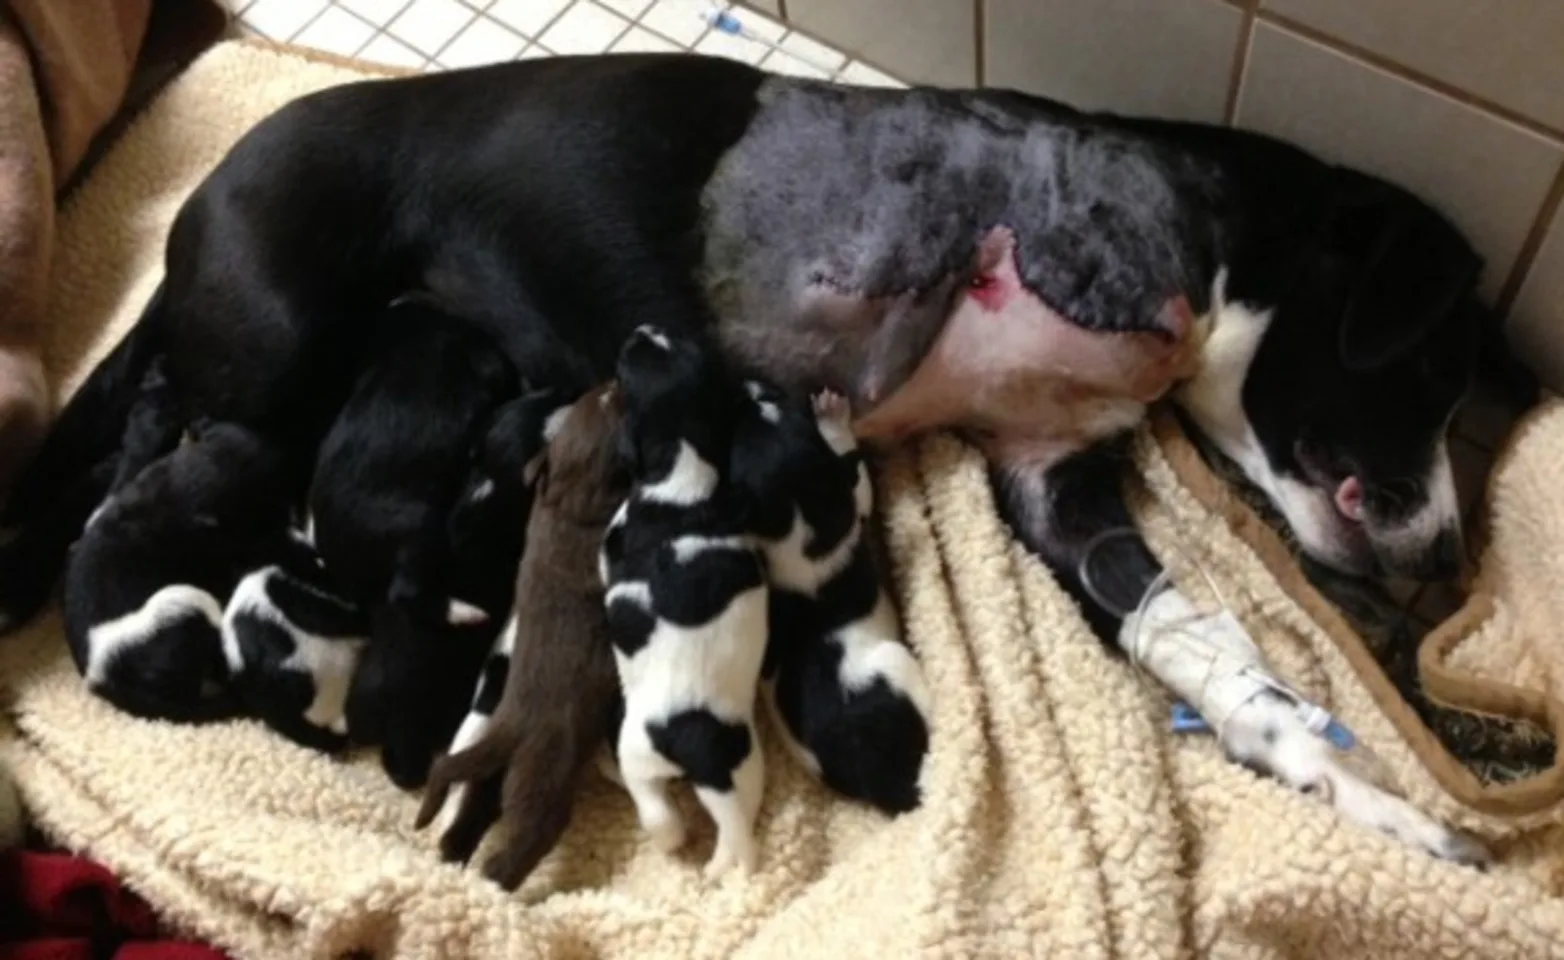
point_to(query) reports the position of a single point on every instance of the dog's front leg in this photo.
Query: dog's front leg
(1062, 513)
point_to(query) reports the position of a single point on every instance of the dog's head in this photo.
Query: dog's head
(675, 390)
(582, 474)
(1355, 367)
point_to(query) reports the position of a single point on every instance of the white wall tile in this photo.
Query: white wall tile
(1487, 175)
(641, 40)
(678, 20)
(629, 9)
(1170, 58)
(1511, 53)
(779, 61)
(929, 41)
(393, 52)
(377, 12)
(528, 16)
(483, 41)
(428, 25)
(1537, 319)
(584, 28)
(813, 52)
(721, 44)
(336, 31)
(864, 75)
(281, 19)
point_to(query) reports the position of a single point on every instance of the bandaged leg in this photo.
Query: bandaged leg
(1208, 660)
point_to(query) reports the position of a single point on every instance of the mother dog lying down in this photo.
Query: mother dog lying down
(995, 263)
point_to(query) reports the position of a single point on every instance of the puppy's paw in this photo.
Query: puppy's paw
(731, 857)
(831, 406)
(667, 833)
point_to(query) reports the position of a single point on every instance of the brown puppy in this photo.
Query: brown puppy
(561, 693)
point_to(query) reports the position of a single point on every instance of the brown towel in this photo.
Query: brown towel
(65, 69)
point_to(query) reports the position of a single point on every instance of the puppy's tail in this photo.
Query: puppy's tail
(70, 474)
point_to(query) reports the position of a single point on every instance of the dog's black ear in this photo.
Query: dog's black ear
(1418, 270)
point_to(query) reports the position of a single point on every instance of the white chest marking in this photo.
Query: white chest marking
(690, 480)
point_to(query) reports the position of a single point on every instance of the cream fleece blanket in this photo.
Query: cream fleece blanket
(1060, 817)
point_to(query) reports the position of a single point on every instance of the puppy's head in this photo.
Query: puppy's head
(674, 389)
(583, 476)
(227, 476)
(1354, 380)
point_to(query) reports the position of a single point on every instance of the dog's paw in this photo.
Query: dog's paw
(667, 833)
(830, 405)
(731, 857)
(1465, 849)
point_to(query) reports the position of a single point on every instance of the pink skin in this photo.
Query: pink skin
(1349, 499)
(1026, 383)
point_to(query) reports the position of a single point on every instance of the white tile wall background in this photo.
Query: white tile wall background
(447, 34)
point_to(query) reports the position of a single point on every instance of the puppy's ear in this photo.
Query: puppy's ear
(1418, 270)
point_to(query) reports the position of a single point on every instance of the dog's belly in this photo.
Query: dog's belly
(927, 261)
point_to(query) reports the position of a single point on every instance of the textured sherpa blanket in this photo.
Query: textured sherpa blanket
(1061, 817)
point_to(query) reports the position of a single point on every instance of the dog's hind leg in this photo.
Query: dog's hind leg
(734, 812)
(477, 806)
(538, 795)
(646, 775)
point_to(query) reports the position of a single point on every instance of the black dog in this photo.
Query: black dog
(390, 475)
(146, 584)
(915, 250)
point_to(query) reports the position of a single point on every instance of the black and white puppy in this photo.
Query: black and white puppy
(146, 584)
(292, 643)
(852, 700)
(687, 600)
(389, 475)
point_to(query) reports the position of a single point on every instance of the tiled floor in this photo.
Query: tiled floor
(444, 34)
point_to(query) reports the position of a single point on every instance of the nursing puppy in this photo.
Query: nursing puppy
(387, 479)
(487, 530)
(561, 690)
(687, 600)
(851, 698)
(292, 643)
(146, 584)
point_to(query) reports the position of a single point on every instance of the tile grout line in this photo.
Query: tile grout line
(474, 18)
(980, 42)
(374, 31)
(1235, 80)
(309, 23)
(1555, 136)
(624, 31)
(1531, 245)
